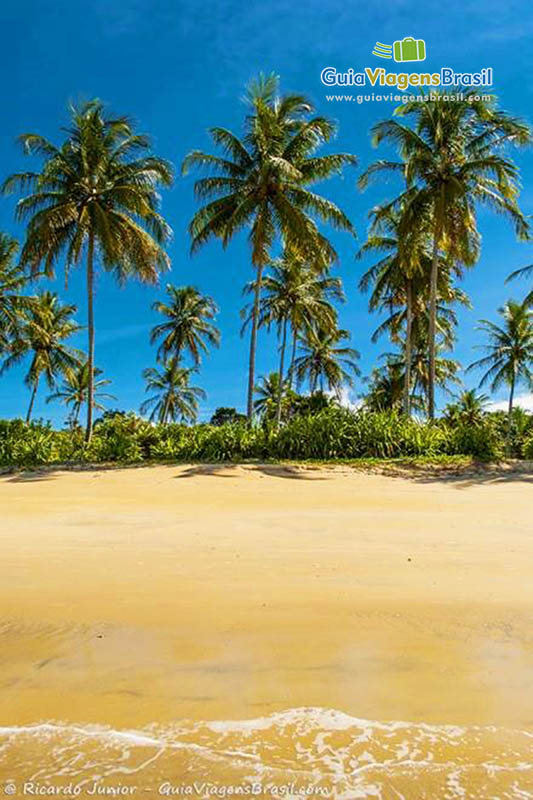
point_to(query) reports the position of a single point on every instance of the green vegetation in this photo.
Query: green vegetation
(332, 434)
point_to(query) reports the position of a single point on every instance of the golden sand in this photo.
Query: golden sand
(177, 596)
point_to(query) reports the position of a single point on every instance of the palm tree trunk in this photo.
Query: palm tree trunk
(90, 325)
(293, 357)
(253, 344)
(408, 336)
(433, 324)
(280, 374)
(510, 419)
(32, 400)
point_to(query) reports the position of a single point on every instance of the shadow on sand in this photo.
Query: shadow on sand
(488, 475)
(227, 470)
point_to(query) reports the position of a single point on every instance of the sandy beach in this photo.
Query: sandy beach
(185, 595)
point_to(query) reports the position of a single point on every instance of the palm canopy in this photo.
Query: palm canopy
(189, 324)
(74, 390)
(401, 273)
(100, 182)
(509, 356)
(446, 370)
(386, 387)
(523, 272)
(95, 196)
(294, 292)
(174, 398)
(12, 281)
(468, 408)
(452, 157)
(42, 333)
(325, 360)
(260, 179)
(267, 392)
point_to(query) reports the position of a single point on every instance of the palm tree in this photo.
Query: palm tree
(174, 398)
(524, 272)
(295, 295)
(509, 358)
(42, 332)
(267, 391)
(323, 361)
(260, 183)
(12, 281)
(95, 198)
(74, 391)
(451, 163)
(386, 391)
(468, 409)
(188, 326)
(400, 280)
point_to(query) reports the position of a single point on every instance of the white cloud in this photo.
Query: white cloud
(525, 401)
(346, 398)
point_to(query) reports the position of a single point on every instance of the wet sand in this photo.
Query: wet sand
(160, 594)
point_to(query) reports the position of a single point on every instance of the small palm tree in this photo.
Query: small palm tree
(296, 295)
(12, 281)
(174, 398)
(95, 199)
(267, 391)
(386, 390)
(189, 324)
(74, 391)
(261, 181)
(325, 361)
(41, 333)
(468, 409)
(523, 272)
(509, 358)
(452, 161)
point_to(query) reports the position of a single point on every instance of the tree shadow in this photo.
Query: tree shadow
(227, 470)
(30, 477)
(486, 476)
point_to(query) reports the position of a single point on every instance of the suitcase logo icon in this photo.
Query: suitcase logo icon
(409, 49)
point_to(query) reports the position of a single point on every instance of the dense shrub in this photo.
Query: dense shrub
(331, 433)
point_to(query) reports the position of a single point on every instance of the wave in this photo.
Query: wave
(299, 752)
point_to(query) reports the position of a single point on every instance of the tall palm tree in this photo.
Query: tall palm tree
(260, 183)
(74, 391)
(325, 361)
(296, 295)
(189, 324)
(12, 281)
(42, 332)
(452, 162)
(174, 398)
(95, 198)
(509, 358)
(524, 272)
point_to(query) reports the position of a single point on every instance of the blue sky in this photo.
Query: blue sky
(178, 68)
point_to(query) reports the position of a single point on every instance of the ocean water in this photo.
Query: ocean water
(303, 752)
